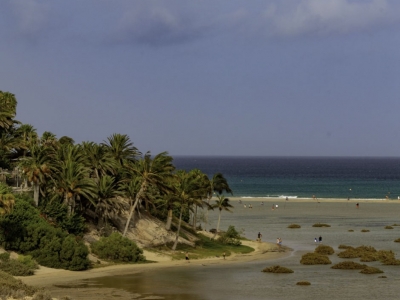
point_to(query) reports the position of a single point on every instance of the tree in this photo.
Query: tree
(217, 184)
(109, 203)
(149, 173)
(187, 190)
(7, 199)
(221, 203)
(121, 148)
(202, 181)
(71, 177)
(8, 109)
(37, 168)
(99, 160)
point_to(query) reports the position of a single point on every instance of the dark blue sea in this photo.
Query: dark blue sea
(303, 177)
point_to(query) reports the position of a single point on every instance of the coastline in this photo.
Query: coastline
(48, 277)
(292, 199)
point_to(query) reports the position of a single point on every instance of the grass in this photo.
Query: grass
(321, 225)
(303, 283)
(315, 259)
(208, 248)
(277, 269)
(350, 230)
(324, 249)
(9, 286)
(364, 230)
(388, 227)
(397, 240)
(294, 226)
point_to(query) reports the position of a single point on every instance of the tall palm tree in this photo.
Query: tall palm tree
(221, 203)
(99, 160)
(71, 177)
(108, 201)
(121, 148)
(37, 168)
(203, 183)
(8, 109)
(149, 173)
(187, 190)
(217, 184)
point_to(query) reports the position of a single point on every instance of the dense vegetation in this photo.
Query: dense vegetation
(63, 185)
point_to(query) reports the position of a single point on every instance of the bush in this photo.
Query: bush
(303, 283)
(8, 286)
(371, 270)
(397, 240)
(315, 259)
(349, 265)
(321, 225)
(323, 249)
(388, 227)
(15, 268)
(230, 237)
(118, 248)
(277, 269)
(364, 230)
(28, 261)
(294, 226)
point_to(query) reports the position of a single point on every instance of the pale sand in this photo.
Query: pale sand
(281, 200)
(48, 277)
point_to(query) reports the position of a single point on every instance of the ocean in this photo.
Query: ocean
(303, 177)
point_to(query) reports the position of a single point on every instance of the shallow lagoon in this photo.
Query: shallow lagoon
(246, 281)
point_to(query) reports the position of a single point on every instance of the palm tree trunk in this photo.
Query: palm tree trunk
(138, 195)
(219, 220)
(169, 220)
(36, 193)
(179, 229)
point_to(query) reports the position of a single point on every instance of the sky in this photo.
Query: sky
(210, 77)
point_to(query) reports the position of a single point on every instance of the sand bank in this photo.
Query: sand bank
(47, 277)
(281, 199)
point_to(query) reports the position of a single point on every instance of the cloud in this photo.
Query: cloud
(158, 25)
(324, 17)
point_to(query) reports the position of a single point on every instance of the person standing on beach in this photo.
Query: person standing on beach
(315, 240)
(187, 257)
(357, 205)
(259, 237)
(320, 239)
(223, 255)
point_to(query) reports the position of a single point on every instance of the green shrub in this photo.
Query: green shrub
(230, 237)
(15, 268)
(4, 256)
(349, 265)
(294, 226)
(371, 270)
(277, 269)
(323, 249)
(28, 261)
(315, 259)
(117, 248)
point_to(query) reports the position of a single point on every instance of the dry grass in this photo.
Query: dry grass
(277, 269)
(294, 226)
(350, 230)
(303, 283)
(371, 270)
(321, 225)
(341, 246)
(349, 265)
(397, 240)
(315, 259)
(324, 249)
(388, 227)
(364, 230)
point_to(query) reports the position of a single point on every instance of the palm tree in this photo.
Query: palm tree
(121, 148)
(49, 139)
(72, 177)
(203, 183)
(218, 184)
(99, 160)
(108, 202)
(7, 199)
(187, 190)
(37, 168)
(8, 109)
(149, 173)
(222, 204)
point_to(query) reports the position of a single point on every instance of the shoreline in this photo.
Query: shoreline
(283, 199)
(48, 277)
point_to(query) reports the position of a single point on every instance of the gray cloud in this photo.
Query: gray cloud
(326, 17)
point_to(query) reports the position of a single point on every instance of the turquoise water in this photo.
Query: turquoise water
(324, 177)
